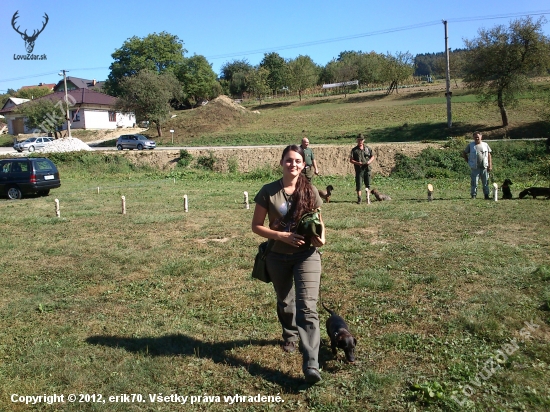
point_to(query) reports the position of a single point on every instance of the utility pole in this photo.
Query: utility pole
(67, 103)
(448, 94)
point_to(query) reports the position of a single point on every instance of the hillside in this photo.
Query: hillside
(414, 114)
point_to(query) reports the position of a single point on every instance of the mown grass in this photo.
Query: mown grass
(160, 301)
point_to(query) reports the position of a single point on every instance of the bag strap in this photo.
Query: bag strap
(268, 248)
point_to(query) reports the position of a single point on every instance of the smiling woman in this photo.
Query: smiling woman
(293, 264)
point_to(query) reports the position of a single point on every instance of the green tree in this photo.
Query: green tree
(303, 74)
(33, 92)
(397, 69)
(198, 79)
(148, 94)
(257, 82)
(155, 53)
(277, 67)
(500, 62)
(45, 114)
(234, 76)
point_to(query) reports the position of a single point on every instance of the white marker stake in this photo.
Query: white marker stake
(57, 212)
(495, 191)
(185, 204)
(98, 190)
(368, 196)
(430, 192)
(123, 198)
(246, 205)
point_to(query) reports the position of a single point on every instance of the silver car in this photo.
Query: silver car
(33, 143)
(135, 141)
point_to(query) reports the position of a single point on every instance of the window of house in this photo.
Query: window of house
(75, 115)
(112, 116)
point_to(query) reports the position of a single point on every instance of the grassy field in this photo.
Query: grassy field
(412, 115)
(159, 302)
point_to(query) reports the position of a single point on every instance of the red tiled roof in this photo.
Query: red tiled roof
(50, 86)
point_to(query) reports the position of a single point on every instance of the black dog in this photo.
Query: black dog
(535, 191)
(340, 336)
(506, 191)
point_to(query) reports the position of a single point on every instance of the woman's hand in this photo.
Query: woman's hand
(318, 241)
(293, 239)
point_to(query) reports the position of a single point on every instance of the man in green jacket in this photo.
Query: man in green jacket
(361, 157)
(311, 165)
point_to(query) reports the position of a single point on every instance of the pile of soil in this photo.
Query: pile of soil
(217, 115)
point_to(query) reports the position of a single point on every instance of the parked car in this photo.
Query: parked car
(32, 143)
(27, 176)
(135, 141)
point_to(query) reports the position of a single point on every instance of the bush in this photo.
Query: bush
(233, 165)
(185, 158)
(207, 162)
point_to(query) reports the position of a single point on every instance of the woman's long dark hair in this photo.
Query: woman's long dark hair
(303, 199)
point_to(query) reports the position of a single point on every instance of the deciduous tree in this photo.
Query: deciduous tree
(44, 114)
(155, 53)
(148, 94)
(397, 69)
(277, 67)
(33, 92)
(257, 82)
(303, 73)
(500, 62)
(199, 82)
(233, 76)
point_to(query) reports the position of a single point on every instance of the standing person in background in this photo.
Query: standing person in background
(311, 164)
(478, 156)
(361, 157)
(293, 263)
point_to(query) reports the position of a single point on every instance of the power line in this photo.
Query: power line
(374, 33)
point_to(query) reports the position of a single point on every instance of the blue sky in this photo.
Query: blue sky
(80, 37)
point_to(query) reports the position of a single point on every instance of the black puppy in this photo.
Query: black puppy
(535, 191)
(506, 191)
(340, 336)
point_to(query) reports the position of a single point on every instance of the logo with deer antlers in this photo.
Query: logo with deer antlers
(29, 40)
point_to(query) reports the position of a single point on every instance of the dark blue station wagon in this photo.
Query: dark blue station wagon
(27, 176)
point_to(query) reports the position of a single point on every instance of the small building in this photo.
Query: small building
(88, 109)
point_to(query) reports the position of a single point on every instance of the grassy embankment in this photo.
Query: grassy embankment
(161, 301)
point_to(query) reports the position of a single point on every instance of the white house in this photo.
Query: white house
(88, 109)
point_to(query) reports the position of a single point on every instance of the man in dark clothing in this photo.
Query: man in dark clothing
(361, 157)
(311, 164)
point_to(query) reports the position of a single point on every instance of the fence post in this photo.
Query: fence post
(185, 203)
(123, 198)
(246, 205)
(430, 192)
(57, 212)
(368, 196)
(495, 192)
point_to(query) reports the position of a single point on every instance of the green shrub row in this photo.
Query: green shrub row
(511, 159)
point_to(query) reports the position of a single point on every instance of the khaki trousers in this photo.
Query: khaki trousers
(296, 280)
